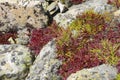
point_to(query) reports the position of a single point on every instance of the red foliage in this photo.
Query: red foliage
(40, 37)
(80, 56)
(81, 59)
(5, 36)
(77, 1)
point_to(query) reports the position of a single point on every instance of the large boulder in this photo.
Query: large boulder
(14, 16)
(14, 62)
(100, 6)
(46, 65)
(102, 72)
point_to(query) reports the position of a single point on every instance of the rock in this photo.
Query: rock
(117, 13)
(102, 72)
(11, 40)
(53, 7)
(14, 62)
(22, 37)
(46, 65)
(64, 19)
(13, 16)
(62, 7)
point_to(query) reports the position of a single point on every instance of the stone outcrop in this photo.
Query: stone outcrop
(102, 72)
(14, 62)
(46, 65)
(14, 16)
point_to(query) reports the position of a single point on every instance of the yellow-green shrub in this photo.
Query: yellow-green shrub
(107, 51)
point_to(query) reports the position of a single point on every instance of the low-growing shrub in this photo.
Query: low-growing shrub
(117, 77)
(39, 37)
(90, 22)
(93, 33)
(107, 51)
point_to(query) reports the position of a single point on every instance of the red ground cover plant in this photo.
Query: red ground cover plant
(81, 59)
(76, 55)
(39, 37)
(77, 1)
(5, 36)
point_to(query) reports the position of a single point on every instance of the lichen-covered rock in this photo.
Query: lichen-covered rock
(14, 62)
(100, 6)
(22, 37)
(13, 16)
(46, 65)
(102, 72)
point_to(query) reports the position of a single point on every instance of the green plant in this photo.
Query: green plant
(107, 51)
(117, 77)
(90, 22)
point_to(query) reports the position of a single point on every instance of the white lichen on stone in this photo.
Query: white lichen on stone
(13, 16)
(102, 72)
(14, 62)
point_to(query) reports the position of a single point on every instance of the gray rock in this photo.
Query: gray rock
(14, 62)
(100, 6)
(46, 65)
(62, 7)
(22, 37)
(102, 72)
(13, 16)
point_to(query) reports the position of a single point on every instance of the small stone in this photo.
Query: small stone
(53, 7)
(62, 7)
(11, 40)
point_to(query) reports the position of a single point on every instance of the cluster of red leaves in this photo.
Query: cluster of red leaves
(81, 59)
(77, 1)
(5, 36)
(39, 37)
